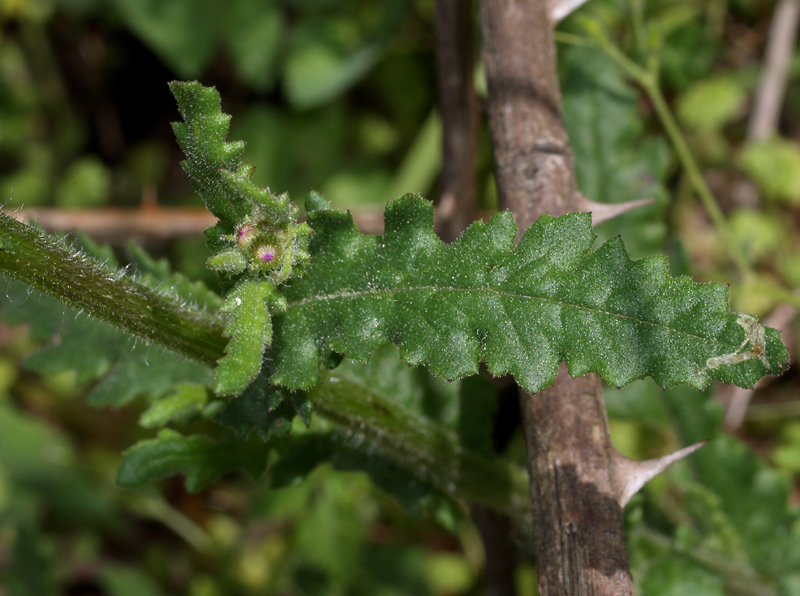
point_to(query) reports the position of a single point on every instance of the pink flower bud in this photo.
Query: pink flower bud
(245, 234)
(266, 253)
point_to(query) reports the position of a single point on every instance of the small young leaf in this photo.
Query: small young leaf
(250, 331)
(199, 458)
(521, 310)
(186, 399)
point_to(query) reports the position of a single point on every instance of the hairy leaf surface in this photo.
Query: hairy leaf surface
(522, 309)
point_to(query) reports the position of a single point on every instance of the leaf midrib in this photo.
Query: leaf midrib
(390, 291)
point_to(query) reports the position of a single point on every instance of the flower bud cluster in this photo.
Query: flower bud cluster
(265, 245)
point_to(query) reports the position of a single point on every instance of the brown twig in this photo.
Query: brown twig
(771, 89)
(149, 223)
(580, 542)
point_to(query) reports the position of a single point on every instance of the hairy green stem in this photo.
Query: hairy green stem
(685, 156)
(55, 267)
(423, 448)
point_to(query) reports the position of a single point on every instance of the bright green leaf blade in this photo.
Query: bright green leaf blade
(200, 459)
(521, 310)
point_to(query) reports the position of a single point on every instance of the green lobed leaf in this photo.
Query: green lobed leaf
(521, 310)
(199, 458)
(202, 139)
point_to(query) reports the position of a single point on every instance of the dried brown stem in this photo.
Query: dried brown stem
(772, 88)
(577, 519)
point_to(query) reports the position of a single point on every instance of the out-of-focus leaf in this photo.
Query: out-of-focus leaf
(677, 576)
(688, 45)
(787, 455)
(422, 162)
(350, 189)
(615, 162)
(31, 565)
(34, 457)
(774, 165)
(254, 32)
(127, 581)
(200, 459)
(709, 105)
(181, 32)
(751, 495)
(337, 506)
(323, 62)
(758, 233)
(86, 183)
(636, 402)
(266, 131)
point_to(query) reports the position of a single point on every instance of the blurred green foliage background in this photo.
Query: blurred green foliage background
(340, 96)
